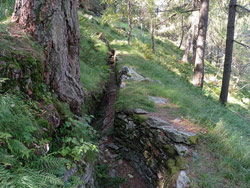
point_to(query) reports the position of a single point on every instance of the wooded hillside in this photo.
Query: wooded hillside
(125, 93)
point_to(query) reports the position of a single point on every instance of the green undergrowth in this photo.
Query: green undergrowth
(35, 154)
(40, 139)
(93, 59)
(105, 180)
(228, 127)
(21, 69)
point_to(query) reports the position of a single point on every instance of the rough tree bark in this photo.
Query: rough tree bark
(129, 20)
(201, 43)
(229, 52)
(54, 23)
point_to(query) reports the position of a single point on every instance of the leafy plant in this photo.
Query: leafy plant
(105, 180)
(79, 139)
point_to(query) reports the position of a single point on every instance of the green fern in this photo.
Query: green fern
(7, 159)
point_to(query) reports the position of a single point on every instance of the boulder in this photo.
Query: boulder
(158, 100)
(182, 180)
(140, 111)
(172, 133)
(181, 149)
(128, 73)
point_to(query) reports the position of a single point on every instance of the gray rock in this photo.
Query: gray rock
(181, 149)
(159, 82)
(182, 181)
(130, 125)
(157, 122)
(148, 80)
(113, 146)
(158, 100)
(171, 132)
(113, 156)
(112, 173)
(140, 111)
(131, 74)
(120, 162)
(123, 117)
(128, 73)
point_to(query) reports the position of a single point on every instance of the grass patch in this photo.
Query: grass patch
(6, 8)
(228, 127)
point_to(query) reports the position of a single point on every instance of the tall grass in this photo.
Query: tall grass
(6, 8)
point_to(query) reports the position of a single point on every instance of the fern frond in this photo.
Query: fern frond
(5, 136)
(50, 164)
(6, 159)
(18, 147)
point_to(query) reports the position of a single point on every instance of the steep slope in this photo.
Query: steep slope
(227, 129)
(41, 140)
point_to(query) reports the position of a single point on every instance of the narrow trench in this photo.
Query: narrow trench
(118, 169)
(105, 113)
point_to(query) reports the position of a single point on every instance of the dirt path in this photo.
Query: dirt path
(169, 113)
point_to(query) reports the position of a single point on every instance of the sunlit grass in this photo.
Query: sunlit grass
(229, 133)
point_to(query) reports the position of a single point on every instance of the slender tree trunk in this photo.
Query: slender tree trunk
(129, 21)
(195, 37)
(55, 25)
(152, 30)
(229, 52)
(188, 46)
(183, 31)
(191, 33)
(201, 44)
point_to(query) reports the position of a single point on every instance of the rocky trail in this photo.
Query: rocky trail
(140, 149)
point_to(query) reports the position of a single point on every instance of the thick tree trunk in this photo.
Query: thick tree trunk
(201, 43)
(55, 25)
(229, 52)
(129, 21)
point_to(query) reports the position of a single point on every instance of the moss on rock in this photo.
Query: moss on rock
(140, 119)
(169, 150)
(181, 163)
(193, 139)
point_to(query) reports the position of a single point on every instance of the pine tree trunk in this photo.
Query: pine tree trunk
(152, 30)
(201, 44)
(55, 25)
(187, 47)
(183, 31)
(195, 36)
(129, 21)
(229, 52)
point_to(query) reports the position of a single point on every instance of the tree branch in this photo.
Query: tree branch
(175, 8)
(244, 8)
(246, 46)
(243, 87)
